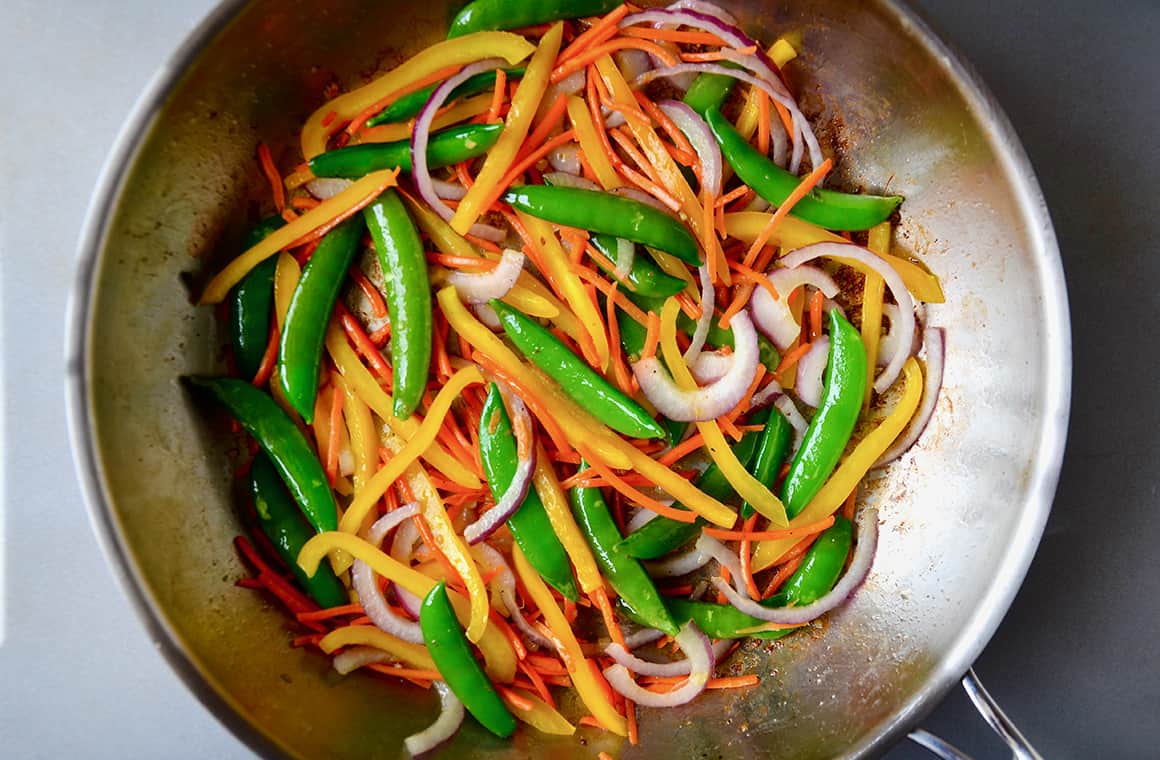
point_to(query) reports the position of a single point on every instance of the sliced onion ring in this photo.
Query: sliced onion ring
(702, 140)
(367, 586)
(505, 582)
(481, 287)
(711, 366)
(324, 188)
(893, 281)
(708, 304)
(855, 575)
(773, 317)
(566, 159)
(699, 652)
(711, 547)
(625, 256)
(352, 658)
(793, 416)
(678, 564)
(769, 393)
(449, 720)
(663, 669)
(513, 497)
(711, 401)
(810, 369)
(934, 338)
(564, 179)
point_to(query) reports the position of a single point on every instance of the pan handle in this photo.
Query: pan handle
(995, 718)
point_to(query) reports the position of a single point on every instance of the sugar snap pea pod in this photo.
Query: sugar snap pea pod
(281, 439)
(603, 400)
(825, 208)
(611, 214)
(771, 453)
(409, 106)
(450, 146)
(404, 265)
(282, 522)
(304, 332)
(644, 277)
(708, 91)
(626, 575)
(829, 431)
(497, 15)
(250, 304)
(529, 524)
(452, 654)
(659, 536)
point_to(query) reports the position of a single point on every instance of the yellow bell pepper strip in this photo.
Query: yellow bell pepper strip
(347, 202)
(872, 292)
(368, 389)
(519, 119)
(364, 439)
(564, 524)
(286, 276)
(368, 636)
(656, 153)
(499, 657)
(782, 52)
(852, 469)
(463, 110)
(424, 436)
(542, 717)
(464, 50)
(752, 490)
(560, 271)
(590, 144)
(581, 429)
(794, 233)
(583, 676)
(523, 296)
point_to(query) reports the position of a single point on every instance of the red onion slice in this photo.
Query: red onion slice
(769, 393)
(711, 401)
(789, 410)
(676, 565)
(632, 62)
(353, 658)
(481, 287)
(566, 158)
(713, 548)
(709, 9)
(402, 548)
(421, 136)
(449, 191)
(569, 85)
(642, 517)
(625, 256)
(642, 637)
(484, 313)
(325, 188)
(643, 667)
(810, 370)
(699, 652)
(708, 304)
(367, 586)
(935, 340)
(893, 281)
(711, 366)
(702, 140)
(773, 317)
(505, 582)
(513, 497)
(855, 575)
(449, 720)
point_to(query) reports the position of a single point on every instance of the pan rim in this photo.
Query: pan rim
(970, 641)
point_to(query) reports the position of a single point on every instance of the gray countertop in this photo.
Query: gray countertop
(1075, 663)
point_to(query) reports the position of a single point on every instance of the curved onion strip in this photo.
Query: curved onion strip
(449, 191)
(810, 369)
(367, 586)
(641, 196)
(449, 720)
(421, 136)
(642, 637)
(935, 340)
(708, 304)
(566, 158)
(894, 341)
(699, 652)
(353, 658)
(893, 281)
(641, 518)
(859, 568)
(663, 669)
(711, 366)
(789, 410)
(564, 179)
(702, 140)
(678, 564)
(484, 313)
(513, 497)
(632, 63)
(773, 317)
(401, 550)
(325, 188)
(625, 256)
(481, 287)
(711, 401)
(505, 582)
(769, 393)
(709, 9)
(713, 548)
(569, 85)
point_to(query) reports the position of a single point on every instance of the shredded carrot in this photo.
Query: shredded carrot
(528, 162)
(610, 291)
(599, 597)
(680, 515)
(732, 682)
(746, 564)
(514, 698)
(782, 575)
(408, 673)
(623, 378)
(304, 203)
(335, 428)
(364, 345)
(851, 502)
(269, 357)
(652, 337)
(553, 117)
(630, 720)
(497, 97)
(272, 175)
(622, 138)
(756, 278)
(360, 120)
(602, 30)
(816, 303)
(713, 55)
(537, 405)
(804, 187)
(763, 126)
(673, 35)
(648, 186)
(790, 359)
(563, 70)
(331, 612)
(537, 681)
(378, 305)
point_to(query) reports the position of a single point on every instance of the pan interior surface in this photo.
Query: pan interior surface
(961, 514)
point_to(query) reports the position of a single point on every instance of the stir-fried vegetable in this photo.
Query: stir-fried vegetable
(590, 337)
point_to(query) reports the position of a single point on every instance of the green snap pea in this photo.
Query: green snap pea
(644, 277)
(282, 522)
(404, 265)
(452, 654)
(304, 331)
(281, 439)
(830, 429)
(529, 525)
(611, 214)
(708, 91)
(409, 106)
(626, 575)
(825, 208)
(583, 384)
(493, 15)
(776, 439)
(250, 305)
(450, 146)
